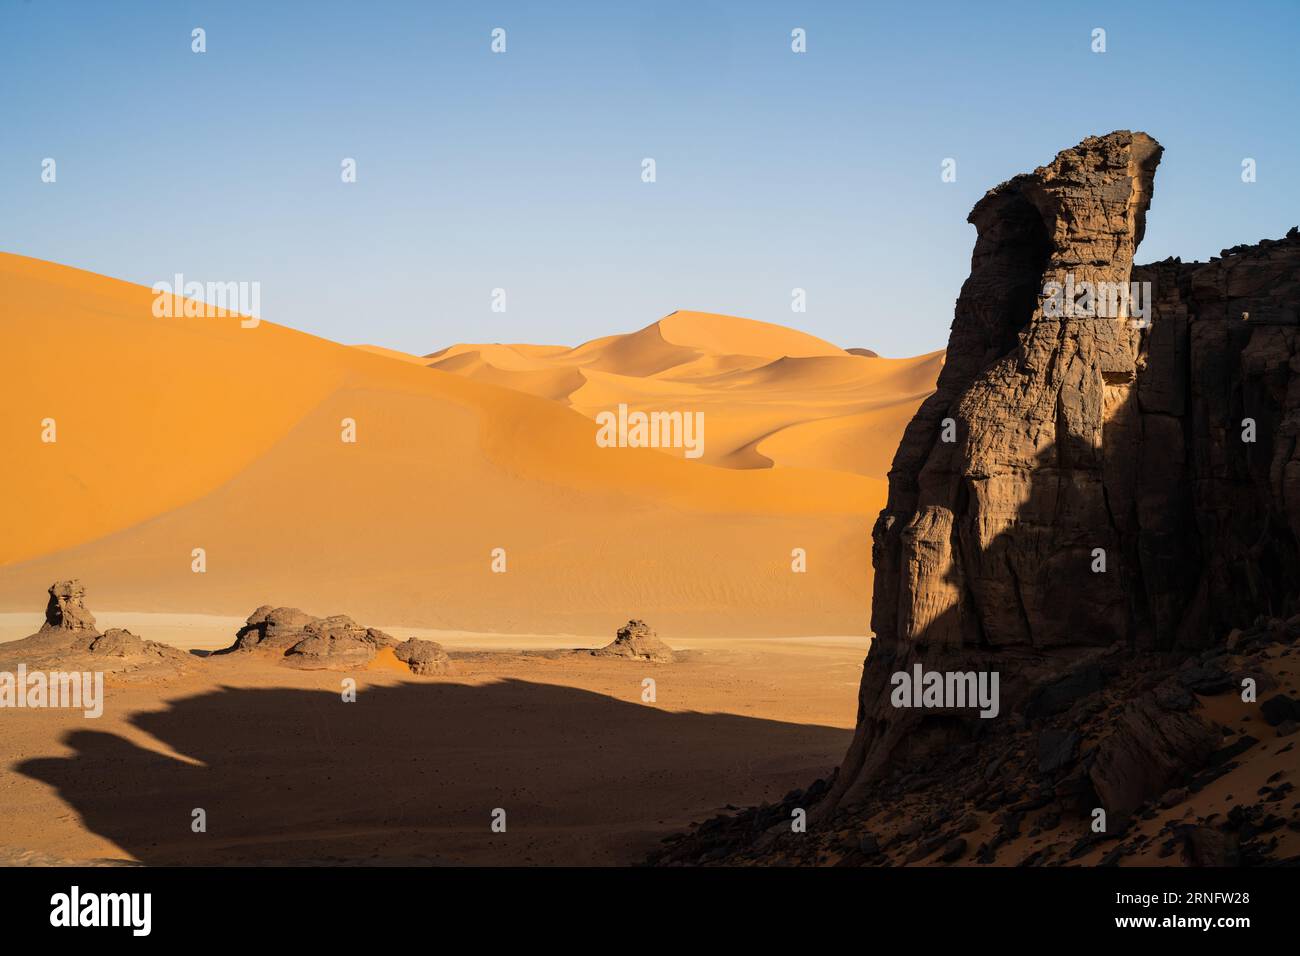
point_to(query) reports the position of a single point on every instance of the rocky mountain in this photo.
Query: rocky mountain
(1100, 505)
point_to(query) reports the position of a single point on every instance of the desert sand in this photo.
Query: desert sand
(587, 771)
(176, 434)
(182, 433)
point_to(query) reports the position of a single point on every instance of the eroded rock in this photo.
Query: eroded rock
(1150, 751)
(70, 641)
(637, 641)
(1104, 510)
(1083, 485)
(423, 657)
(66, 609)
(335, 642)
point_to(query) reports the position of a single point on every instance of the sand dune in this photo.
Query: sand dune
(176, 434)
(772, 396)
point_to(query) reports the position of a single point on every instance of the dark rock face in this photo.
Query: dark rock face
(637, 641)
(1103, 510)
(66, 609)
(1083, 481)
(1280, 708)
(1056, 749)
(1203, 846)
(312, 642)
(1148, 752)
(1215, 517)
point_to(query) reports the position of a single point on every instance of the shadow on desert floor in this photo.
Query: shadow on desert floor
(411, 773)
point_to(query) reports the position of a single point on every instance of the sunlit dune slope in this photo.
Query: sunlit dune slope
(185, 433)
(771, 396)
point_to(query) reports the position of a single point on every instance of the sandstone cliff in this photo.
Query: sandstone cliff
(1089, 504)
(1086, 432)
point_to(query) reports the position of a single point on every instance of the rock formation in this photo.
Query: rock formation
(70, 640)
(310, 642)
(66, 609)
(331, 643)
(637, 641)
(1081, 480)
(1101, 506)
(423, 657)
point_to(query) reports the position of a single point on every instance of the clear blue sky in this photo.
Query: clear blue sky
(522, 170)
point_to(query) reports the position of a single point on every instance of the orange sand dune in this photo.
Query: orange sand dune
(772, 396)
(393, 353)
(176, 434)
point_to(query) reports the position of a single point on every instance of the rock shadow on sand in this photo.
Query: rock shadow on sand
(411, 774)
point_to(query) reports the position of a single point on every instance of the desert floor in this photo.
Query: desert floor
(411, 772)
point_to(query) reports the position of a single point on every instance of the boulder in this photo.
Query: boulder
(1205, 846)
(423, 657)
(1150, 751)
(272, 628)
(1056, 749)
(1280, 708)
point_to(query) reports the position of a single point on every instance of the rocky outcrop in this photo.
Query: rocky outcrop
(637, 641)
(69, 640)
(1099, 504)
(336, 642)
(423, 657)
(118, 642)
(272, 629)
(66, 609)
(1079, 478)
(1124, 734)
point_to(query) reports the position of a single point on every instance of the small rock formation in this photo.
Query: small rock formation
(70, 641)
(423, 657)
(331, 643)
(336, 642)
(636, 641)
(865, 353)
(272, 628)
(66, 609)
(118, 643)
